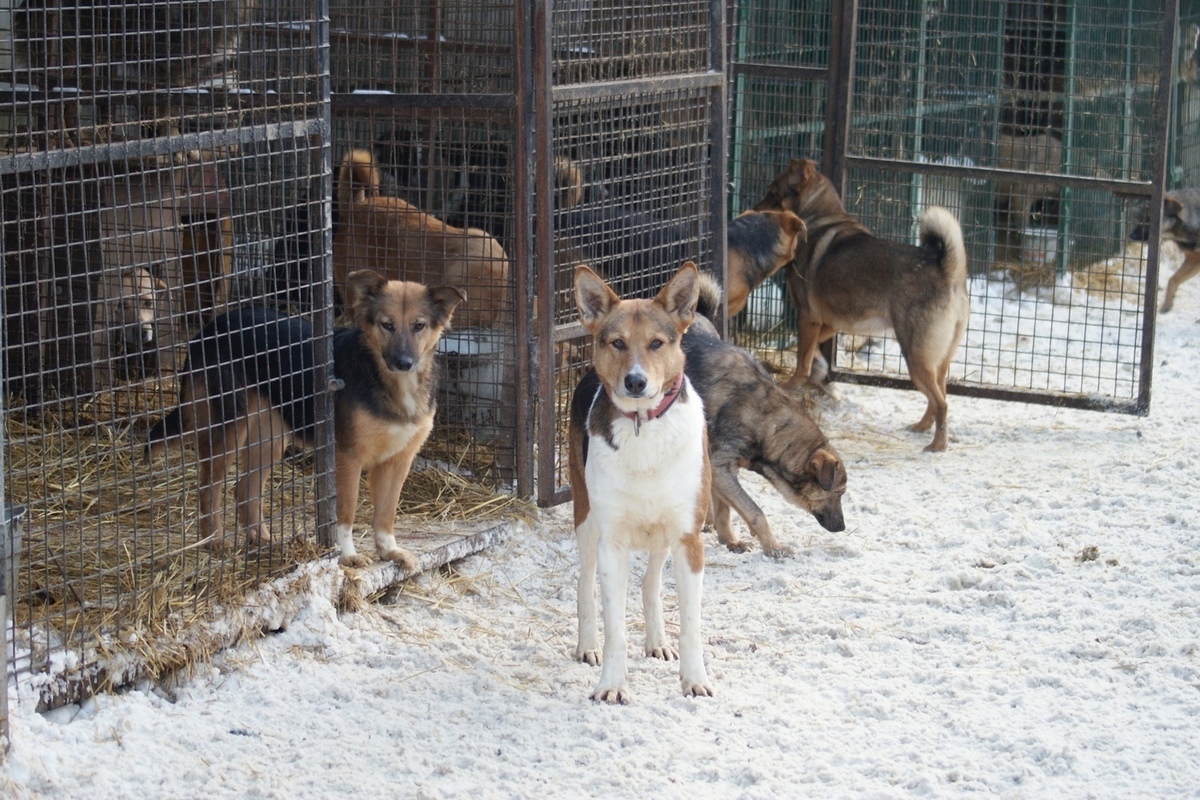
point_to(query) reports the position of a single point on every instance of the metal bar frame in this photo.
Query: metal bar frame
(839, 161)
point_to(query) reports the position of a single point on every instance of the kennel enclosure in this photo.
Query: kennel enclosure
(182, 156)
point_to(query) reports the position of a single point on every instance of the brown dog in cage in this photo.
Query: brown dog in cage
(1181, 225)
(848, 281)
(401, 242)
(760, 243)
(249, 388)
(755, 424)
(125, 321)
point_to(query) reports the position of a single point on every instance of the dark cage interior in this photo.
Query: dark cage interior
(161, 164)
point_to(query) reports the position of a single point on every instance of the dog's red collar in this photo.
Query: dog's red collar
(668, 398)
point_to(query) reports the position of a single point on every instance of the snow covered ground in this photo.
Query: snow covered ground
(1016, 617)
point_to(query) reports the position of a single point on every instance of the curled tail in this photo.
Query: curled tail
(709, 304)
(941, 234)
(358, 177)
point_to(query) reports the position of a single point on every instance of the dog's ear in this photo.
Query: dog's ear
(824, 466)
(793, 226)
(363, 283)
(593, 297)
(445, 299)
(680, 295)
(810, 170)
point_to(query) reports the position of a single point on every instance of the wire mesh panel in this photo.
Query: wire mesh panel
(646, 180)
(425, 92)
(636, 135)
(154, 163)
(1040, 125)
(1185, 129)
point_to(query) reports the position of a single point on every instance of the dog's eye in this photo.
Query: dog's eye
(657, 343)
(387, 326)
(418, 327)
(618, 344)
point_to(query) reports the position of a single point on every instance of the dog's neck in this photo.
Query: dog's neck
(667, 401)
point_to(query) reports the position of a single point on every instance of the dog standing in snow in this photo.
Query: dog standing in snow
(639, 475)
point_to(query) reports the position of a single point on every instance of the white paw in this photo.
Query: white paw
(663, 652)
(588, 655)
(612, 695)
(354, 560)
(696, 688)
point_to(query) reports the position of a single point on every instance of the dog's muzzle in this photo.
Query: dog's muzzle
(831, 519)
(402, 363)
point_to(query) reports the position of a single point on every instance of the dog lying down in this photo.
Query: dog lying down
(755, 424)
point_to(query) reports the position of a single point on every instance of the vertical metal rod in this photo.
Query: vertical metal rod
(547, 432)
(1158, 177)
(719, 145)
(324, 483)
(916, 196)
(838, 97)
(524, 249)
(1066, 205)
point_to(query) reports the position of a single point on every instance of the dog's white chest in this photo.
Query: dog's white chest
(649, 485)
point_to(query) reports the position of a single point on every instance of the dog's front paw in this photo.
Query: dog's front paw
(588, 656)
(663, 652)
(738, 546)
(613, 695)
(697, 688)
(401, 558)
(354, 560)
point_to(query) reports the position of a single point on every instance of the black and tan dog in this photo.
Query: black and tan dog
(249, 387)
(848, 281)
(1181, 225)
(755, 424)
(759, 244)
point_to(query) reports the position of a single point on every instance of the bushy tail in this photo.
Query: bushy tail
(941, 233)
(358, 177)
(710, 297)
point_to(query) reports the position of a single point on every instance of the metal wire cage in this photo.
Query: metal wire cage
(153, 158)
(1040, 124)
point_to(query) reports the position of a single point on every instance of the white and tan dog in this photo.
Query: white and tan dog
(639, 475)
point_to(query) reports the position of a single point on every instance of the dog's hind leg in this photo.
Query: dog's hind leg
(265, 436)
(687, 555)
(929, 383)
(652, 609)
(1187, 270)
(215, 445)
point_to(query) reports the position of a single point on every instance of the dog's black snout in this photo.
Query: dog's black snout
(405, 363)
(635, 384)
(831, 519)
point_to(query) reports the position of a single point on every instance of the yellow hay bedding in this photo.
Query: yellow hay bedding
(110, 558)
